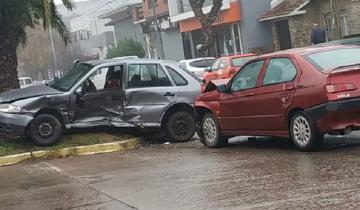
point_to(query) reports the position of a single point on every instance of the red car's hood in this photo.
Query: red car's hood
(213, 84)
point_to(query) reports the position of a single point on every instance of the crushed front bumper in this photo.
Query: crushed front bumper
(336, 115)
(14, 124)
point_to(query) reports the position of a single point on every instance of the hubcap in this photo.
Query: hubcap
(301, 130)
(209, 130)
(45, 129)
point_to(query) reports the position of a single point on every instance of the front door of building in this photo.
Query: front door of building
(283, 31)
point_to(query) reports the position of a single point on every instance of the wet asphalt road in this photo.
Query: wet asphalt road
(262, 174)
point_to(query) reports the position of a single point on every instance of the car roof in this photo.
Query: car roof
(307, 50)
(127, 61)
(238, 56)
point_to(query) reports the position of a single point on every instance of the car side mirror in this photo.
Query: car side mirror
(208, 69)
(222, 89)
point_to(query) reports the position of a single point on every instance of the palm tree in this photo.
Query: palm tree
(15, 17)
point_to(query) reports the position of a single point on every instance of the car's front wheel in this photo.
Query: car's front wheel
(304, 132)
(210, 132)
(45, 130)
(180, 126)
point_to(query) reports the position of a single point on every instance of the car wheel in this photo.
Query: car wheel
(210, 132)
(304, 133)
(180, 126)
(45, 130)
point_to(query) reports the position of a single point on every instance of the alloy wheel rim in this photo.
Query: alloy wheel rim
(209, 130)
(302, 131)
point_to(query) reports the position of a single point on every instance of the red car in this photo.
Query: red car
(299, 93)
(226, 67)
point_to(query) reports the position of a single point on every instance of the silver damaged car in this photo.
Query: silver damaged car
(137, 93)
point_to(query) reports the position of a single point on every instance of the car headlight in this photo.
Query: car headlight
(10, 108)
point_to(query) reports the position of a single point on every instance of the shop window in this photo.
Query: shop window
(344, 25)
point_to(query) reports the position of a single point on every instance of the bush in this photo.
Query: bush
(126, 47)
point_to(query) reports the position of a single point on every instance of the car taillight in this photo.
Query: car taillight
(337, 88)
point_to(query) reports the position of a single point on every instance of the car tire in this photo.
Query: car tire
(180, 127)
(45, 130)
(210, 134)
(304, 133)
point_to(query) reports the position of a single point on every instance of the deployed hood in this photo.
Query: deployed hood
(30, 92)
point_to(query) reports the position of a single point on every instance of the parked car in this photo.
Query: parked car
(138, 93)
(197, 65)
(226, 67)
(299, 93)
(25, 82)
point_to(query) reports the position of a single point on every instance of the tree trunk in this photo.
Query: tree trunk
(209, 41)
(8, 65)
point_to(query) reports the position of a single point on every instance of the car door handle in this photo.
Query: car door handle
(168, 94)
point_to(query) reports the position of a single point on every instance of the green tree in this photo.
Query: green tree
(126, 47)
(15, 17)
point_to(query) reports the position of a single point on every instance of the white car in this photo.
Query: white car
(25, 82)
(197, 66)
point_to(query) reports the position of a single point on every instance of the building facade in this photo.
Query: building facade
(122, 19)
(163, 40)
(90, 34)
(292, 20)
(236, 30)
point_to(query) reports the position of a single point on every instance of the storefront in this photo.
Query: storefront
(227, 33)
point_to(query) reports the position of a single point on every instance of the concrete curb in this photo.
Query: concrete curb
(72, 151)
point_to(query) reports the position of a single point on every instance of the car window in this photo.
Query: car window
(106, 78)
(247, 76)
(222, 64)
(237, 62)
(202, 63)
(28, 82)
(22, 82)
(67, 81)
(147, 75)
(178, 79)
(332, 59)
(279, 70)
(215, 66)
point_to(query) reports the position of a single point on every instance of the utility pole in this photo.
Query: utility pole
(53, 52)
(334, 9)
(158, 30)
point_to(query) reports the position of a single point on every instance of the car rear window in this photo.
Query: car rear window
(202, 63)
(332, 59)
(28, 82)
(178, 79)
(237, 62)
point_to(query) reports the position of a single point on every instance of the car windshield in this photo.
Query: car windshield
(329, 60)
(237, 62)
(66, 82)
